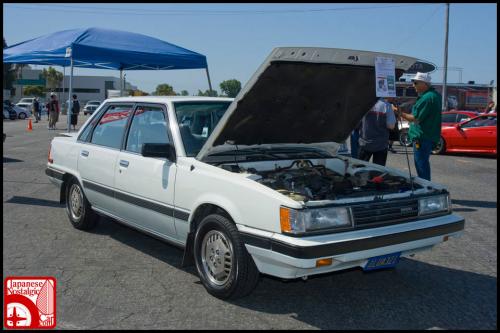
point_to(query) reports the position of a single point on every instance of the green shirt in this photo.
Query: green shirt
(427, 112)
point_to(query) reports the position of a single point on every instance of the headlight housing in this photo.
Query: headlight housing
(434, 204)
(300, 221)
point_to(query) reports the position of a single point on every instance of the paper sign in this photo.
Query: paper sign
(385, 77)
(68, 52)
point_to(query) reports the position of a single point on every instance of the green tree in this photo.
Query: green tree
(230, 87)
(53, 77)
(164, 90)
(9, 72)
(184, 93)
(34, 91)
(137, 93)
(208, 92)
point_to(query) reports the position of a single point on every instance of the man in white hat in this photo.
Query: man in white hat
(425, 123)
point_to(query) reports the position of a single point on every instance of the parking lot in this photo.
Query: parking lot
(117, 278)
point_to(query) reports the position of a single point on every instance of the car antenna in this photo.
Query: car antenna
(407, 157)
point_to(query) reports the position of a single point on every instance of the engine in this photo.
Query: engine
(304, 181)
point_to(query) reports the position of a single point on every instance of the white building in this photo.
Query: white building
(87, 88)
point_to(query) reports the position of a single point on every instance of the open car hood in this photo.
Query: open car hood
(302, 95)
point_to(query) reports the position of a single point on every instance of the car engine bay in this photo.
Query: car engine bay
(302, 180)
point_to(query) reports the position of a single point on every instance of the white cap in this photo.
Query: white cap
(52, 94)
(422, 77)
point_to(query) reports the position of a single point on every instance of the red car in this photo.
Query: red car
(450, 118)
(477, 135)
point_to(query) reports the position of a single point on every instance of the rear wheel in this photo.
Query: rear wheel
(440, 148)
(226, 269)
(78, 208)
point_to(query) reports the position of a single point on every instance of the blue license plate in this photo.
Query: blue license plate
(385, 261)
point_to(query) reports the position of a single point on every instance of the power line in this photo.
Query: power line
(415, 32)
(127, 11)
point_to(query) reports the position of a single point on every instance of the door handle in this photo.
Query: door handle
(85, 153)
(124, 163)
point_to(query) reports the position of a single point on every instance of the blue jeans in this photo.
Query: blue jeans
(422, 155)
(354, 143)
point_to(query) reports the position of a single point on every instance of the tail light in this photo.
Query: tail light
(50, 159)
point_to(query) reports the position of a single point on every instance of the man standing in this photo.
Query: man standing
(425, 123)
(53, 109)
(36, 109)
(374, 135)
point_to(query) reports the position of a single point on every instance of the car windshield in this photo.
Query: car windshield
(196, 122)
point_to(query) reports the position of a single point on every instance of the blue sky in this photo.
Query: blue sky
(236, 38)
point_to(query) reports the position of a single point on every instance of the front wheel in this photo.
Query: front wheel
(78, 208)
(226, 269)
(22, 115)
(440, 148)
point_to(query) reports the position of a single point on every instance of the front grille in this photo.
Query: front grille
(384, 212)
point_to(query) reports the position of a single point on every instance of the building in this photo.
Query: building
(86, 87)
(462, 96)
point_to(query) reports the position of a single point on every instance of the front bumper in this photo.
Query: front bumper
(292, 257)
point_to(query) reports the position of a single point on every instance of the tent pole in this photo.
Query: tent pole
(70, 106)
(64, 74)
(209, 83)
(121, 82)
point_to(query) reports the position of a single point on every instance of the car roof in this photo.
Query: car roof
(167, 99)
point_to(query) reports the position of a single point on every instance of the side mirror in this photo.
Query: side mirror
(458, 127)
(165, 150)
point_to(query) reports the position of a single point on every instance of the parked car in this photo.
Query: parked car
(254, 184)
(90, 107)
(9, 113)
(453, 117)
(21, 112)
(477, 135)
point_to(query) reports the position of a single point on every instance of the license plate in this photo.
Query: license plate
(385, 261)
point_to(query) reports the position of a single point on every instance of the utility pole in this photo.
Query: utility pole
(445, 72)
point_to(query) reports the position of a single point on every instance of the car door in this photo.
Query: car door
(145, 185)
(100, 144)
(476, 134)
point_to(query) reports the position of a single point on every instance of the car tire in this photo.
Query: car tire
(440, 148)
(226, 269)
(22, 115)
(403, 138)
(78, 208)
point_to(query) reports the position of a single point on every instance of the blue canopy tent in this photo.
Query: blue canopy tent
(103, 49)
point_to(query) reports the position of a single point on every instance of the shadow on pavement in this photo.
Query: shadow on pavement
(475, 203)
(415, 295)
(10, 160)
(34, 201)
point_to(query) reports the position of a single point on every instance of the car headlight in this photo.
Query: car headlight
(435, 204)
(304, 220)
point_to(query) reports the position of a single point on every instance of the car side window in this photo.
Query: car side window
(480, 122)
(149, 125)
(462, 117)
(109, 130)
(448, 118)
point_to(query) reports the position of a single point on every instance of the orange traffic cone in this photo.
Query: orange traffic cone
(30, 125)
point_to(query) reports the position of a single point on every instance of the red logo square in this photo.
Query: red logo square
(29, 302)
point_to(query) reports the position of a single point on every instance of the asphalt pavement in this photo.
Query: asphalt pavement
(117, 278)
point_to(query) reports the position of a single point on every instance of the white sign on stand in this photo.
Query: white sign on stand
(68, 52)
(385, 77)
